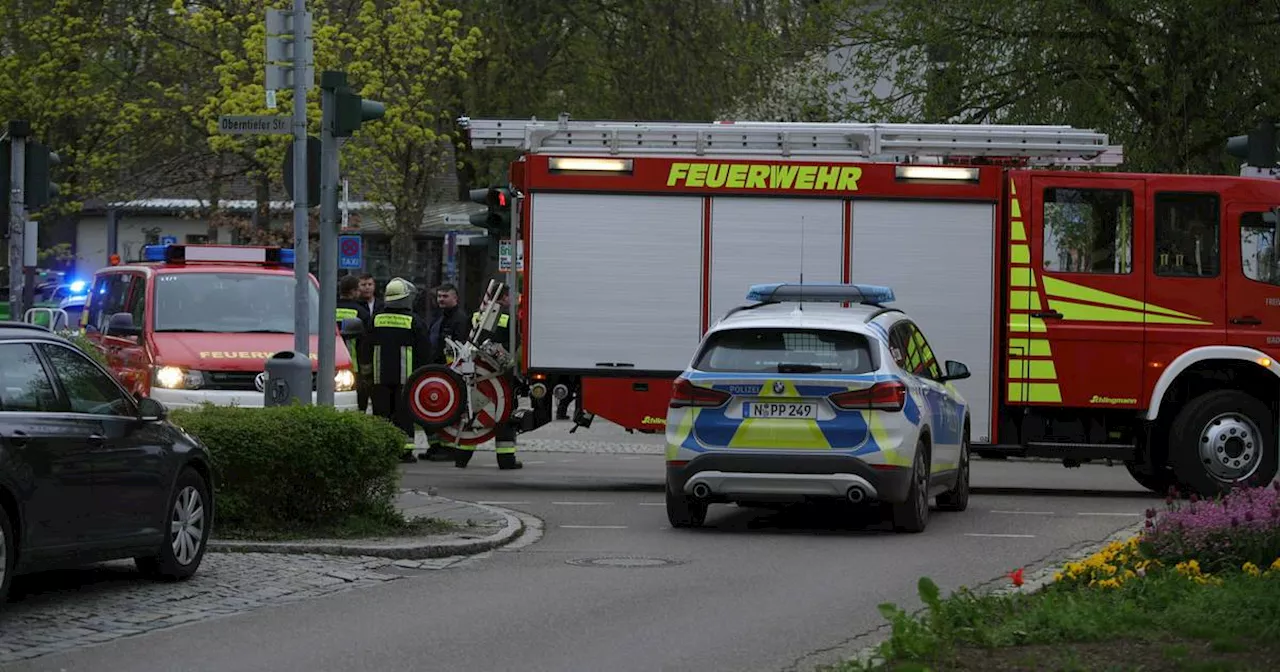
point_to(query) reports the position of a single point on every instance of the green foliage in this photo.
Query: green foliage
(87, 346)
(290, 467)
(1168, 79)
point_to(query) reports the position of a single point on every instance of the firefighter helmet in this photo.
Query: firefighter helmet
(398, 289)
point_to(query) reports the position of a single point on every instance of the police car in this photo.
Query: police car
(817, 392)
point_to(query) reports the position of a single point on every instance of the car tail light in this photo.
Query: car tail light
(685, 393)
(888, 396)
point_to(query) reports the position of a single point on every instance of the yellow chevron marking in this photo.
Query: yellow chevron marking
(1062, 289)
(1024, 300)
(1021, 276)
(1015, 211)
(1026, 323)
(1029, 347)
(1041, 369)
(1019, 231)
(1078, 311)
(1019, 254)
(1047, 393)
(1013, 188)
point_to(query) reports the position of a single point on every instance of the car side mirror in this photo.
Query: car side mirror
(150, 410)
(956, 371)
(121, 324)
(351, 327)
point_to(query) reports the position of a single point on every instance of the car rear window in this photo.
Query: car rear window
(786, 350)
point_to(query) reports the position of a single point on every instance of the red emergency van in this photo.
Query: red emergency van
(195, 323)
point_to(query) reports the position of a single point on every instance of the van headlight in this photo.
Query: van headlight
(177, 378)
(344, 380)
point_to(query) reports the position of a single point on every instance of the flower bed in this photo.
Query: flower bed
(1199, 585)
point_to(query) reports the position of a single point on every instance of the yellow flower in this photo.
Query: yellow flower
(1275, 566)
(1251, 569)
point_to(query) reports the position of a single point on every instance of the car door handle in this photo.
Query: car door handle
(1048, 315)
(97, 440)
(1247, 319)
(19, 439)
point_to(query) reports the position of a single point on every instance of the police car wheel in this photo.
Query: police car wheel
(683, 511)
(957, 498)
(912, 515)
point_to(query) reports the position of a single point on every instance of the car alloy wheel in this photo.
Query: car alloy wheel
(186, 528)
(921, 475)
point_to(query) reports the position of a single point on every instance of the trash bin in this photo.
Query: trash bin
(288, 378)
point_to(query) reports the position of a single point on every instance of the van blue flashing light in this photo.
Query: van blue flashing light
(225, 254)
(78, 287)
(825, 293)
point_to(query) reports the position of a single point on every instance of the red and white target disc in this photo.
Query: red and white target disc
(434, 395)
(492, 405)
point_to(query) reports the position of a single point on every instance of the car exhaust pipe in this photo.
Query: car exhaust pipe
(855, 494)
(701, 490)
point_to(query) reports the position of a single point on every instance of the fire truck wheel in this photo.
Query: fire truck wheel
(435, 396)
(1223, 439)
(1158, 481)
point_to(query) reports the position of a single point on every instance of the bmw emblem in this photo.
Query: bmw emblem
(260, 381)
(779, 386)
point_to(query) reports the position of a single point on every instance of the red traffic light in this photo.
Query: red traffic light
(502, 199)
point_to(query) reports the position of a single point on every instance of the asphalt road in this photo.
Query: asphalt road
(755, 590)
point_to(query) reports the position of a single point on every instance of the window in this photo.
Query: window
(1187, 234)
(242, 303)
(774, 350)
(24, 384)
(88, 389)
(1088, 230)
(108, 297)
(912, 352)
(1259, 232)
(137, 300)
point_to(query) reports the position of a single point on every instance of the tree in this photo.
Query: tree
(1169, 79)
(412, 55)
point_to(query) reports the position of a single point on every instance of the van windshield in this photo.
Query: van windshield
(228, 303)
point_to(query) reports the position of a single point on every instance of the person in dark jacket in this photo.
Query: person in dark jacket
(359, 349)
(400, 341)
(448, 321)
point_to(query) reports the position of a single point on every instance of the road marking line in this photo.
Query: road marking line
(594, 527)
(1127, 515)
(653, 503)
(1026, 513)
(567, 461)
(582, 503)
(1001, 536)
(497, 503)
(636, 457)
(536, 462)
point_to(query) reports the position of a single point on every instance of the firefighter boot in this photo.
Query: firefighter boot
(462, 455)
(506, 448)
(438, 451)
(407, 456)
(509, 461)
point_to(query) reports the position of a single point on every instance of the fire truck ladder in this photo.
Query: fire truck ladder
(914, 143)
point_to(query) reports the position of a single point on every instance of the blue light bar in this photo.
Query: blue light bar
(78, 286)
(825, 293)
(227, 254)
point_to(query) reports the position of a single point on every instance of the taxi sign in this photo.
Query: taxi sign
(820, 292)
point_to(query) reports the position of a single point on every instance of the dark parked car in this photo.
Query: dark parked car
(89, 473)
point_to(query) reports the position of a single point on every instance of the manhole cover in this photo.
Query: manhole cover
(624, 562)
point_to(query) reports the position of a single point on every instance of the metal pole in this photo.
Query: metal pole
(18, 131)
(113, 232)
(302, 259)
(328, 243)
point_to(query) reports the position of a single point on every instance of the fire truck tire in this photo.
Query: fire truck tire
(435, 396)
(1158, 481)
(1221, 440)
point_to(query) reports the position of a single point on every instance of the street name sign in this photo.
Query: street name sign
(268, 124)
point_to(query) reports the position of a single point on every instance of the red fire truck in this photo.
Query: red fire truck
(1128, 318)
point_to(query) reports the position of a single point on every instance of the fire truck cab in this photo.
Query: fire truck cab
(1127, 318)
(196, 323)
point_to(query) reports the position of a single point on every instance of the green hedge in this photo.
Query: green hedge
(297, 467)
(87, 346)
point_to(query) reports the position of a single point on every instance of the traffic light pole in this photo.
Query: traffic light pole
(17, 132)
(329, 83)
(302, 259)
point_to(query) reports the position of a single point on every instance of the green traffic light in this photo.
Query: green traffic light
(350, 111)
(1259, 148)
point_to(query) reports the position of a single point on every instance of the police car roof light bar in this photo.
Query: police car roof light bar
(821, 293)
(226, 254)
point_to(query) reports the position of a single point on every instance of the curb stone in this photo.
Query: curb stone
(1032, 583)
(412, 548)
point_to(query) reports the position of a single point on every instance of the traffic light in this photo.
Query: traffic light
(40, 189)
(350, 111)
(498, 217)
(1258, 148)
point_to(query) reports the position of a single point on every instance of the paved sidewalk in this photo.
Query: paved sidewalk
(481, 528)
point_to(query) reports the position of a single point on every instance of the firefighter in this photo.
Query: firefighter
(505, 434)
(449, 321)
(350, 306)
(399, 338)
